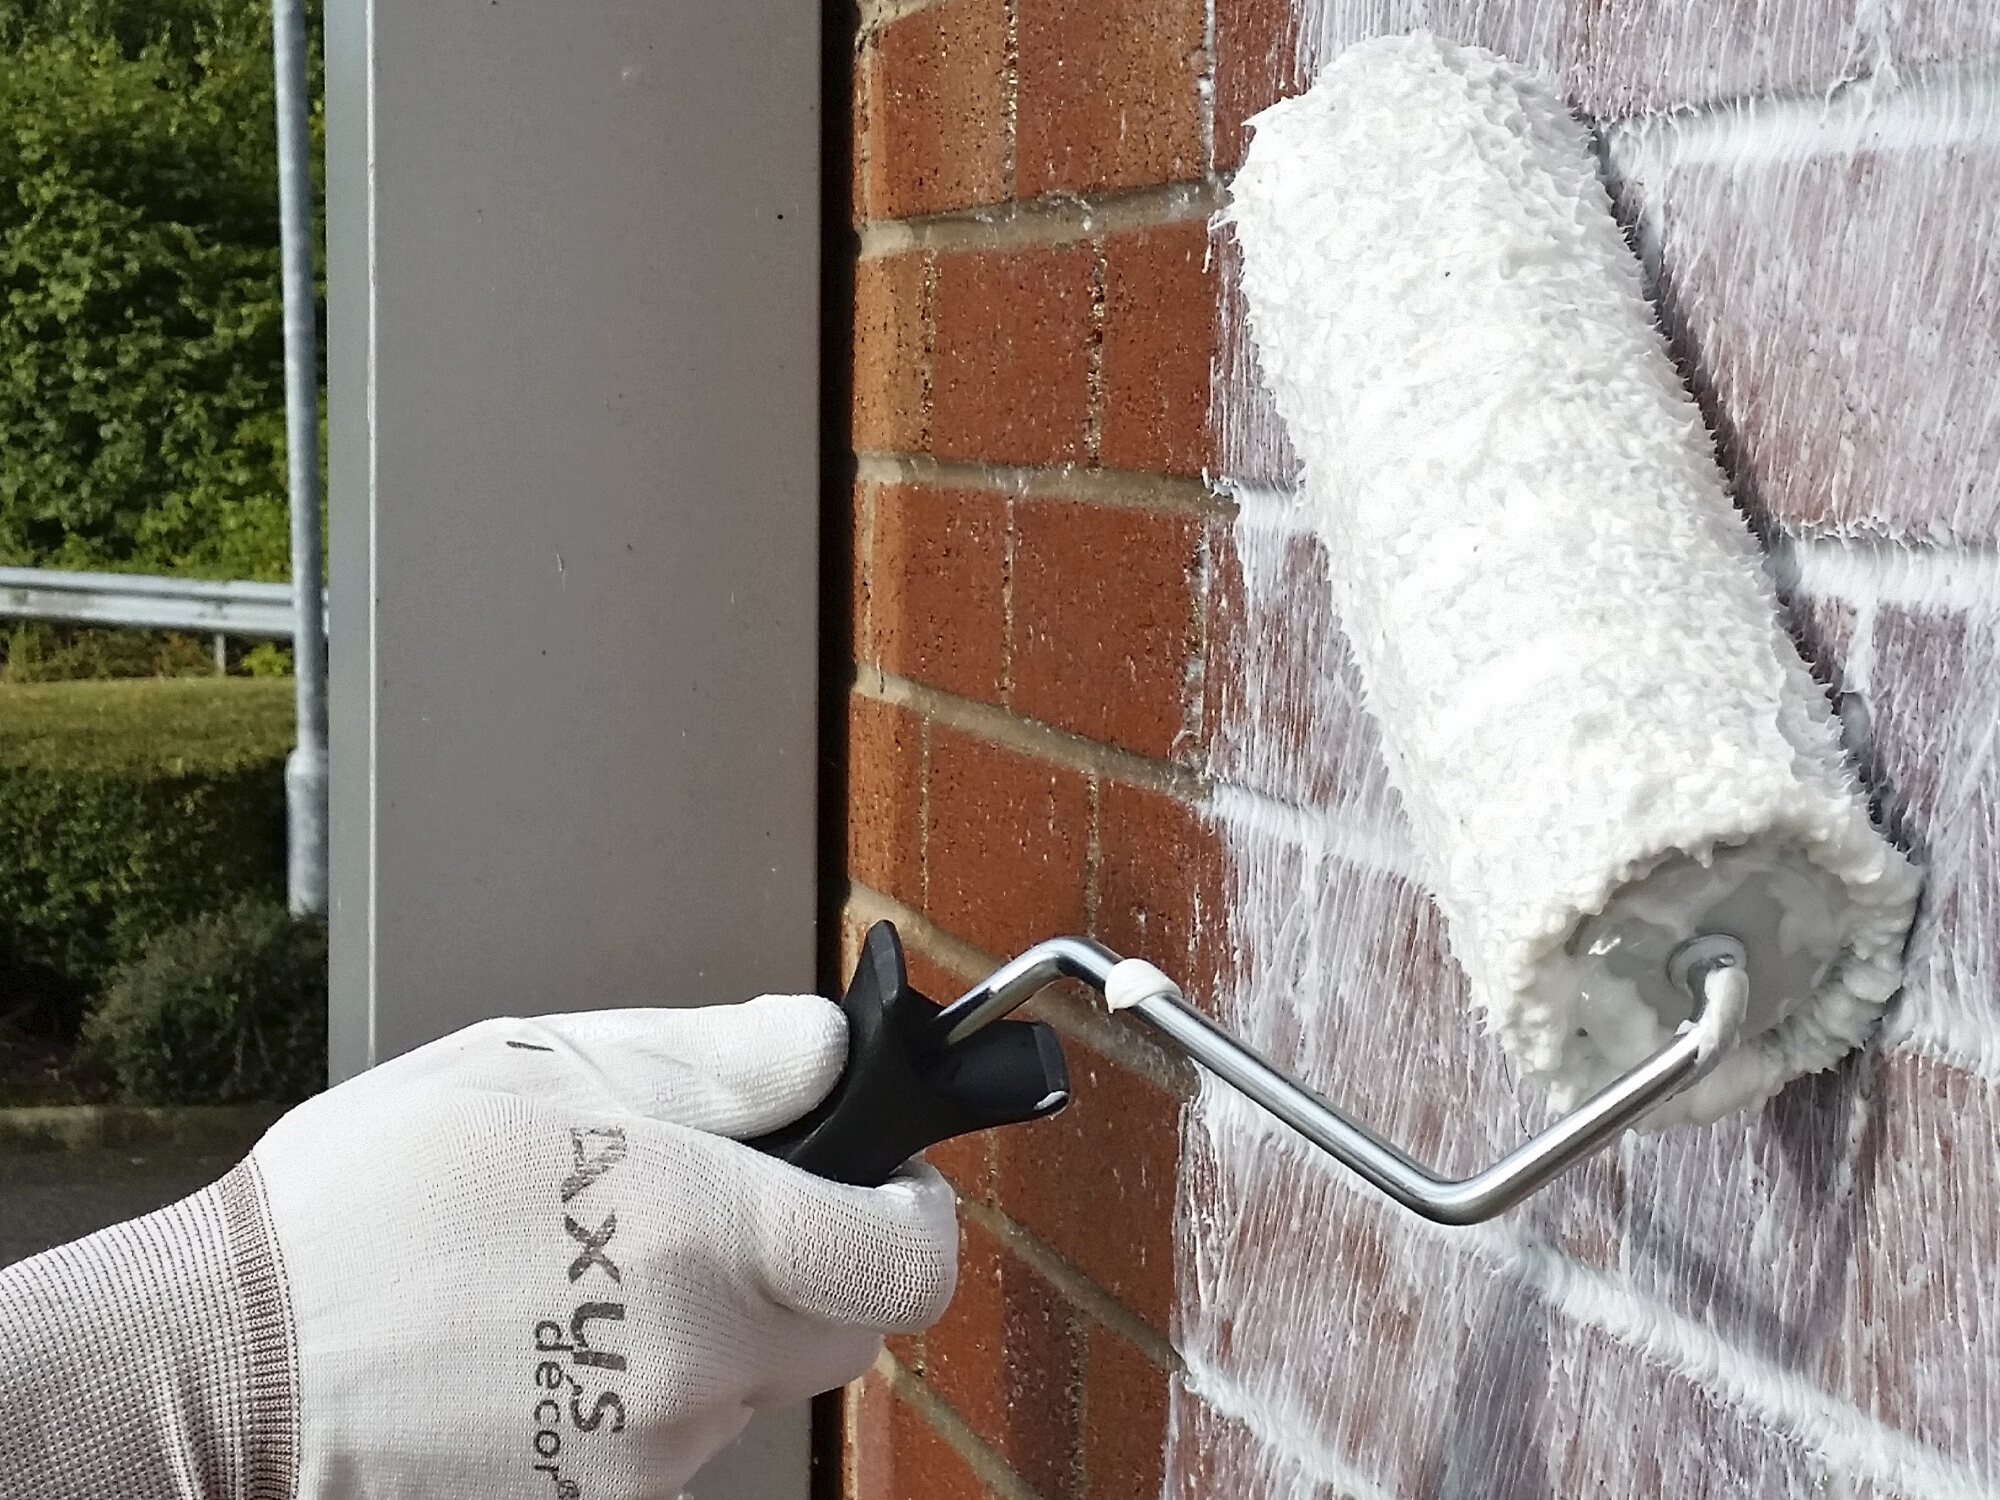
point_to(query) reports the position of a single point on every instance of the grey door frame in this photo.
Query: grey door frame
(573, 273)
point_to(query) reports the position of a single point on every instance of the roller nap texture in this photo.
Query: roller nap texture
(1603, 738)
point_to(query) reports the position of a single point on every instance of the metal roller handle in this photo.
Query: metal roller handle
(1710, 967)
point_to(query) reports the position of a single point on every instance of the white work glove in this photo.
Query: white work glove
(521, 1261)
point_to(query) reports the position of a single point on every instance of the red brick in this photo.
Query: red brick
(861, 498)
(1256, 64)
(1823, 629)
(1543, 37)
(1872, 1187)
(1838, 323)
(884, 798)
(1097, 1181)
(1159, 343)
(937, 599)
(1108, 94)
(967, 1163)
(1217, 1456)
(1011, 371)
(1004, 1356)
(1795, 1164)
(937, 118)
(1926, 1307)
(1295, 1259)
(895, 1454)
(1160, 872)
(1283, 712)
(1104, 621)
(889, 354)
(1931, 700)
(1125, 1421)
(1251, 444)
(857, 135)
(868, 1417)
(1931, 682)
(1007, 844)
(1360, 996)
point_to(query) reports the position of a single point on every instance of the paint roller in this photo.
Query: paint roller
(1626, 792)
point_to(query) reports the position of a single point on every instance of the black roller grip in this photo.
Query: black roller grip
(902, 1092)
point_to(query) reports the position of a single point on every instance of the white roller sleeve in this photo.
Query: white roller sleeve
(1603, 737)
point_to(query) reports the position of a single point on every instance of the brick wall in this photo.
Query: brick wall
(1034, 325)
(1096, 688)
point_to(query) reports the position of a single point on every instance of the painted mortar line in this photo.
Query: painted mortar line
(1265, 507)
(864, 544)
(999, 726)
(876, 14)
(957, 1433)
(1079, 1289)
(1122, 489)
(1059, 219)
(1873, 572)
(1913, 573)
(869, 906)
(1066, 1006)
(1951, 105)
(1346, 834)
(1078, 1485)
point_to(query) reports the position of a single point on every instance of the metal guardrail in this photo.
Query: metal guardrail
(135, 599)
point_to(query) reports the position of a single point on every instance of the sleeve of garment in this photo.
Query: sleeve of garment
(155, 1359)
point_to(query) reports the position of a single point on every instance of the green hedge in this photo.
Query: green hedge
(142, 411)
(128, 808)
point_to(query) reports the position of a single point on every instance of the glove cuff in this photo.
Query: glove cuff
(269, 1344)
(166, 1360)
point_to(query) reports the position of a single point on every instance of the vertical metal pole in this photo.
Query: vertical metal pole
(221, 654)
(305, 769)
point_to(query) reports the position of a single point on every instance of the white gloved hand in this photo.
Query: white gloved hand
(525, 1261)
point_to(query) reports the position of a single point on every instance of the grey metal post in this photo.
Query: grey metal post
(305, 768)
